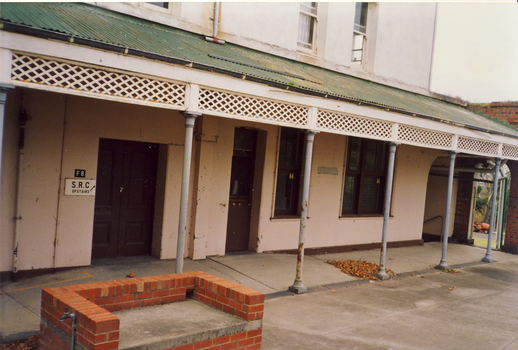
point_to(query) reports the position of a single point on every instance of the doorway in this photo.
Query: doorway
(125, 198)
(241, 188)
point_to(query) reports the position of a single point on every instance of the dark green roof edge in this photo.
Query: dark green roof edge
(346, 88)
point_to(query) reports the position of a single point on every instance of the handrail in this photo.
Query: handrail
(435, 217)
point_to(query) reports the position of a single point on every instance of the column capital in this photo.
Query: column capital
(189, 114)
(3, 92)
(190, 117)
(6, 87)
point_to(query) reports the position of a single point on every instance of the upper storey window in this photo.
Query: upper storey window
(360, 32)
(307, 24)
(164, 5)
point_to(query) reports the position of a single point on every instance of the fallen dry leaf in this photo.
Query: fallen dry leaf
(131, 274)
(359, 268)
(452, 288)
(333, 291)
(33, 343)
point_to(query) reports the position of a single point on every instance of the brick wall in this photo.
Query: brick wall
(98, 329)
(511, 227)
(504, 111)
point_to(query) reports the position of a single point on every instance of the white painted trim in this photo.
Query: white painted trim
(312, 118)
(192, 97)
(203, 79)
(5, 66)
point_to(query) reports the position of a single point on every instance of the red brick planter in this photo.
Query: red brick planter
(97, 328)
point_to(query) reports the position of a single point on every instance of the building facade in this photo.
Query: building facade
(99, 100)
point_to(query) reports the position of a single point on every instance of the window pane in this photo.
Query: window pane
(360, 17)
(348, 200)
(289, 171)
(358, 42)
(290, 149)
(364, 179)
(370, 155)
(309, 7)
(306, 24)
(242, 175)
(286, 189)
(381, 158)
(354, 154)
(370, 193)
(160, 4)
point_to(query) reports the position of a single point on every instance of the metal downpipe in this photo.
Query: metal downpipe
(214, 38)
(298, 287)
(381, 274)
(443, 265)
(496, 177)
(190, 117)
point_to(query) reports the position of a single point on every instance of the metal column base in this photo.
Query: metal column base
(298, 288)
(442, 266)
(488, 259)
(382, 275)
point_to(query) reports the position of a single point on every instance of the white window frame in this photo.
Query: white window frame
(359, 43)
(312, 14)
(157, 8)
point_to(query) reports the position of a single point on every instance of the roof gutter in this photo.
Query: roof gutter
(48, 34)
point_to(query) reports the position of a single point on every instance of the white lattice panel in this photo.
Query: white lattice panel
(354, 125)
(510, 151)
(477, 146)
(420, 136)
(239, 105)
(64, 75)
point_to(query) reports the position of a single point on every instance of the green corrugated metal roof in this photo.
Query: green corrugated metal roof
(101, 25)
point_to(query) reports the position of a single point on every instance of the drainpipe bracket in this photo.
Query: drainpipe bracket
(215, 40)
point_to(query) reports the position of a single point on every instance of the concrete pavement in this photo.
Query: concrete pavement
(422, 308)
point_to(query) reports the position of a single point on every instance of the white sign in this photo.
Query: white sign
(79, 187)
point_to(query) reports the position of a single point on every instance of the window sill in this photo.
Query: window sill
(357, 66)
(364, 216)
(286, 218)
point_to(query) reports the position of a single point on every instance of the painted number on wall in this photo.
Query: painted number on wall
(79, 173)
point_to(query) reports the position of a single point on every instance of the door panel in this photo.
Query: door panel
(125, 198)
(107, 199)
(241, 183)
(238, 227)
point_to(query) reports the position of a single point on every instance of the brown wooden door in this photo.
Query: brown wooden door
(125, 198)
(241, 183)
